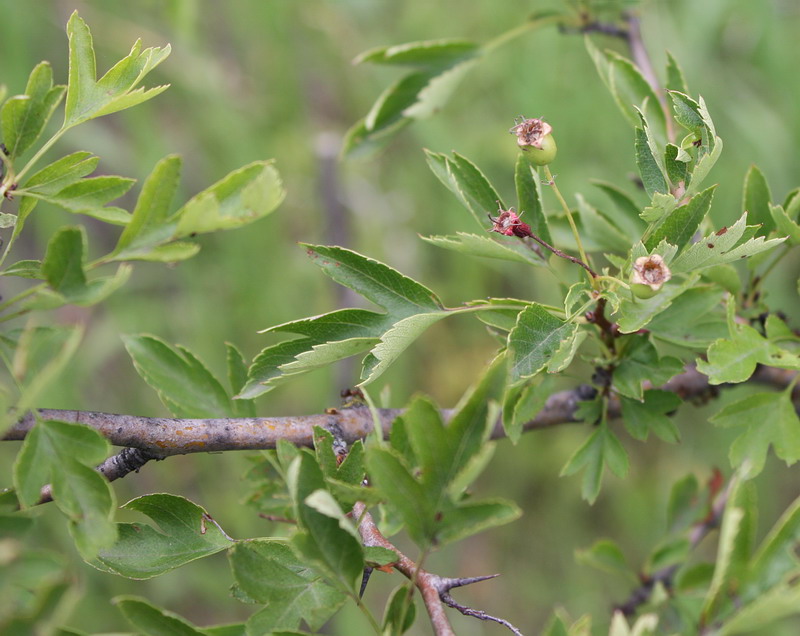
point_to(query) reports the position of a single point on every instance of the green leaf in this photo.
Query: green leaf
(25, 269)
(472, 517)
(237, 378)
(729, 530)
(437, 92)
(756, 199)
(502, 247)
(63, 262)
(467, 182)
(652, 174)
(186, 533)
(395, 341)
(324, 540)
(675, 78)
(628, 219)
(683, 503)
(761, 613)
(64, 455)
(39, 357)
(384, 286)
(639, 362)
(694, 319)
(604, 233)
(24, 117)
(675, 163)
(769, 420)
(535, 338)
(734, 359)
(681, 224)
(566, 352)
(406, 496)
(241, 197)
(400, 611)
(723, 246)
(602, 447)
(152, 207)
(424, 54)
(183, 383)
(150, 620)
(89, 196)
(529, 198)
(605, 555)
(270, 573)
(87, 98)
(630, 89)
(784, 224)
(636, 313)
(522, 405)
(641, 418)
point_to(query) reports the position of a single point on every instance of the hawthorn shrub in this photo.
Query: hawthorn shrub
(659, 305)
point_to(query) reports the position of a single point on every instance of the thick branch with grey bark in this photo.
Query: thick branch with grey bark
(162, 437)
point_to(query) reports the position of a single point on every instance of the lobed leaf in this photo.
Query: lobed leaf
(535, 338)
(680, 225)
(186, 533)
(153, 621)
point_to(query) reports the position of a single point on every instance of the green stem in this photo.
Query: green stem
(552, 182)
(45, 147)
(522, 29)
(21, 296)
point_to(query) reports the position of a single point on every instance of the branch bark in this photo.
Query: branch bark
(163, 437)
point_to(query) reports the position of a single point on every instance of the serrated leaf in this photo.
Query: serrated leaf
(61, 173)
(522, 405)
(467, 182)
(381, 284)
(756, 200)
(650, 171)
(237, 378)
(712, 249)
(186, 533)
(641, 418)
(681, 224)
(183, 383)
(639, 362)
(675, 163)
(436, 93)
(64, 455)
(770, 420)
(675, 78)
(660, 206)
(395, 341)
(729, 529)
(323, 540)
(703, 167)
(566, 352)
(152, 206)
(89, 196)
(241, 197)
(270, 573)
(694, 319)
(153, 621)
(529, 198)
(784, 225)
(483, 246)
(601, 447)
(24, 117)
(87, 98)
(472, 517)
(535, 338)
(427, 53)
(635, 314)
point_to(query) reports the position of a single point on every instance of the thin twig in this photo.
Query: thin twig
(434, 589)
(558, 252)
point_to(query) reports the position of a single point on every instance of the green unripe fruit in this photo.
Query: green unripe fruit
(543, 155)
(640, 290)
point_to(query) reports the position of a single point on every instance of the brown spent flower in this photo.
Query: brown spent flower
(530, 132)
(508, 223)
(650, 271)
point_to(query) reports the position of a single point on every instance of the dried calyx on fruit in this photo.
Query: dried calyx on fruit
(535, 139)
(508, 223)
(648, 275)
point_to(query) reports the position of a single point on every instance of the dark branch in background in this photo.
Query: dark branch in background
(435, 590)
(665, 576)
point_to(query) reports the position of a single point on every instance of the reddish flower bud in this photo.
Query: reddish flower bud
(508, 223)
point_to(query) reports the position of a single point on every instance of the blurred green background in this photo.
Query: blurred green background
(273, 78)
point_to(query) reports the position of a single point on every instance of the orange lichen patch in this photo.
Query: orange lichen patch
(197, 444)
